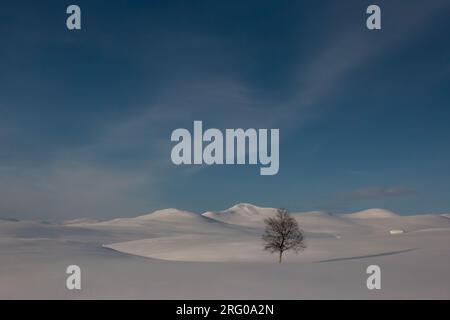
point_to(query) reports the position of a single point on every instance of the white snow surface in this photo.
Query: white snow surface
(176, 254)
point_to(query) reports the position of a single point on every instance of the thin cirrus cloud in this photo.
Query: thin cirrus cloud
(119, 164)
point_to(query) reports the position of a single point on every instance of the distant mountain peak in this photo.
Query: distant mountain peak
(166, 213)
(244, 205)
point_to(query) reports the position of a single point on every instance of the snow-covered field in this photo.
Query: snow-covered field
(174, 254)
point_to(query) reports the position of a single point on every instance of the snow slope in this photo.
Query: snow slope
(242, 226)
(372, 214)
(218, 255)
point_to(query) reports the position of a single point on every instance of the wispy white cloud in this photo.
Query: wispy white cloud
(329, 70)
(64, 190)
(85, 180)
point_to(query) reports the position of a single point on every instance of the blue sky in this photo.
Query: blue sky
(86, 116)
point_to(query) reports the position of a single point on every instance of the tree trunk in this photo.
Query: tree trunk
(279, 258)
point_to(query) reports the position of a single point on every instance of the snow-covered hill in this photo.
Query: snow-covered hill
(372, 214)
(173, 253)
(244, 214)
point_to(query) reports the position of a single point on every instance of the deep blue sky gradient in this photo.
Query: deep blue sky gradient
(86, 115)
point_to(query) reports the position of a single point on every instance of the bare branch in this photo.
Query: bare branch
(282, 233)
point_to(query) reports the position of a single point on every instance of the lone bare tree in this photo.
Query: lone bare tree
(282, 233)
